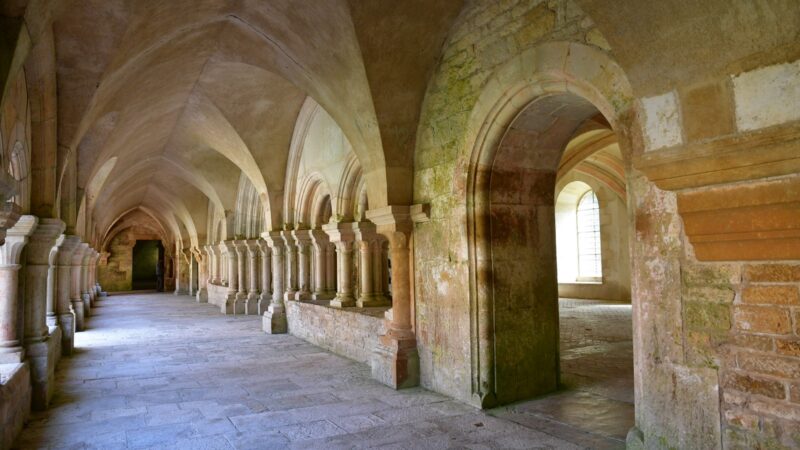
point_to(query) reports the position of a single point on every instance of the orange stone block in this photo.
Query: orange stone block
(772, 295)
(762, 319)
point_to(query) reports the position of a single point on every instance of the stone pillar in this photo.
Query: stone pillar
(395, 361)
(302, 239)
(66, 314)
(86, 298)
(75, 296)
(274, 321)
(252, 277)
(330, 270)
(52, 283)
(93, 286)
(188, 256)
(322, 290)
(342, 235)
(266, 277)
(213, 253)
(11, 350)
(203, 257)
(224, 264)
(177, 269)
(38, 289)
(291, 265)
(241, 277)
(229, 249)
(371, 292)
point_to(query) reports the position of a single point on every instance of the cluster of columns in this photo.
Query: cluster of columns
(346, 263)
(47, 289)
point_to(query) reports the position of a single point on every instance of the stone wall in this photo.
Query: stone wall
(15, 400)
(346, 332)
(117, 274)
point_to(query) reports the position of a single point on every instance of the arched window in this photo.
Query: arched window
(587, 220)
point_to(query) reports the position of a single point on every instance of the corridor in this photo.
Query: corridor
(161, 371)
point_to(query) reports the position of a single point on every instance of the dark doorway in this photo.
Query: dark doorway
(146, 264)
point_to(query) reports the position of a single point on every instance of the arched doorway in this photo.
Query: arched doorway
(146, 270)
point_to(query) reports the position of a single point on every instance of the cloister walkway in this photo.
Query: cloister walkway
(160, 371)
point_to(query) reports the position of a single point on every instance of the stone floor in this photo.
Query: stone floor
(159, 371)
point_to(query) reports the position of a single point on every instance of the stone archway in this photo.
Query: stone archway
(545, 93)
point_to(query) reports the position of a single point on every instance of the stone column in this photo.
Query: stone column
(188, 256)
(396, 361)
(266, 277)
(93, 290)
(241, 277)
(213, 253)
(103, 259)
(11, 350)
(252, 276)
(52, 283)
(302, 239)
(203, 256)
(177, 269)
(330, 270)
(291, 265)
(380, 269)
(88, 254)
(38, 289)
(224, 264)
(274, 321)
(342, 235)
(321, 284)
(66, 314)
(232, 275)
(75, 295)
(371, 293)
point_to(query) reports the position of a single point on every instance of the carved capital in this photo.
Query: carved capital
(16, 238)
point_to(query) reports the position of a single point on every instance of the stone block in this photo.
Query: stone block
(15, 401)
(772, 295)
(767, 364)
(706, 275)
(755, 385)
(707, 316)
(662, 121)
(723, 295)
(772, 273)
(789, 347)
(741, 419)
(707, 111)
(794, 392)
(753, 342)
(767, 96)
(762, 319)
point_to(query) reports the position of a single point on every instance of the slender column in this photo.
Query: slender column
(330, 270)
(380, 268)
(75, 285)
(291, 265)
(321, 285)
(38, 289)
(52, 282)
(229, 249)
(274, 321)
(371, 295)
(85, 296)
(252, 276)
(302, 239)
(266, 277)
(66, 314)
(188, 255)
(203, 256)
(11, 350)
(177, 269)
(396, 361)
(216, 277)
(342, 235)
(241, 269)
(103, 259)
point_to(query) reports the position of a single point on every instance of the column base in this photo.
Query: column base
(369, 301)
(13, 355)
(343, 301)
(67, 324)
(87, 304)
(302, 295)
(251, 308)
(289, 295)
(52, 323)
(42, 357)
(395, 362)
(323, 295)
(77, 308)
(240, 303)
(263, 304)
(274, 320)
(202, 295)
(228, 306)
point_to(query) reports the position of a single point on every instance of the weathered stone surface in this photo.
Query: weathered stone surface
(753, 385)
(662, 121)
(772, 295)
(767, 96)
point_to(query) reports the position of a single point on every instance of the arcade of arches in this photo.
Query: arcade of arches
(438, 190)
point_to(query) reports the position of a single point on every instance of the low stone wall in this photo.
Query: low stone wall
(15, 400)
(217, 295)
(349, 332)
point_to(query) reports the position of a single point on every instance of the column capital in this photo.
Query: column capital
(253, 247)
(77, 255)
(43, 239)
(68, 247)
(365, 231)
(340, 231)
(227, 246)
(319, 237)
(88, 254)
(9, 215)
(274, 239)
(241, 247)
(16, 238)
(263, 246)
